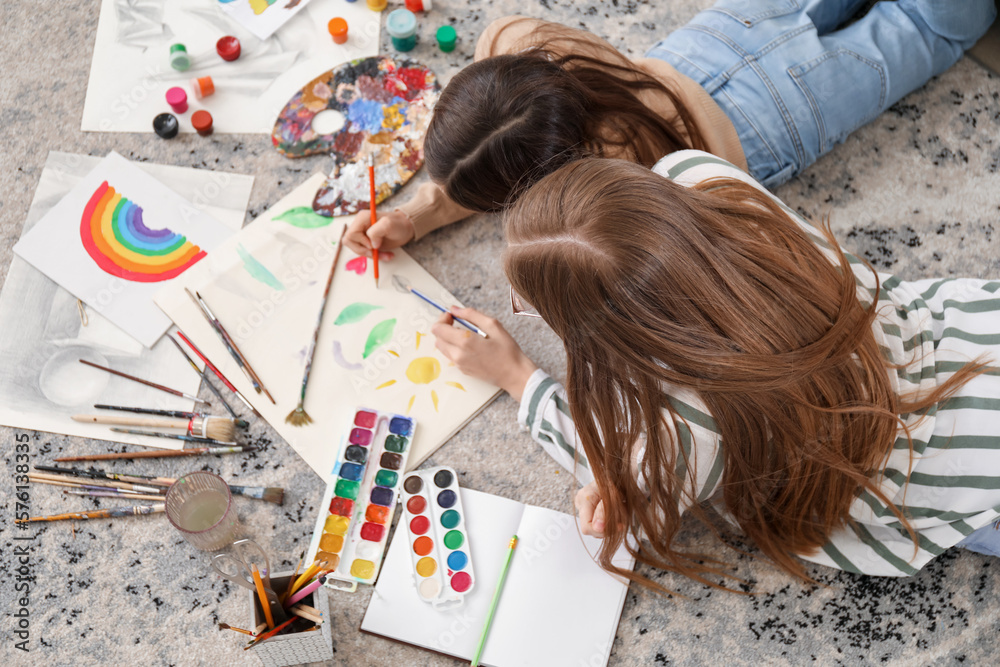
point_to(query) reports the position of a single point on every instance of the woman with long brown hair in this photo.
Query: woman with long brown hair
(769, 85)
(725, 356)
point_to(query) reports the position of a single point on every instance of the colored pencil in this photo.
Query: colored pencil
(291, 581)
(145, 382)
(159, 453)
(299, 611)
(371, 203)
(306, 576)
(299, 416)
(271, 633)
(242, 423)
(493, 604)
(218, 373)
(403, 285)
(262, 597)
(99, 514)
(305, 591)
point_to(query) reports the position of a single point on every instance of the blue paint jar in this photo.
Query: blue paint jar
(401, 25)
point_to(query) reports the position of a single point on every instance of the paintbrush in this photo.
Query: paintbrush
(403, 285)
(226, 626)
(371, 204)
(175, 436)
(87, 487)
(271, 633)
(145, 382)
(126, 486)
(299, 416)
(271, 494)
(218, 373)
(159, 453)
(234, 350)
(220, 429)
(242, 423)
(109, 494)
(99, 514)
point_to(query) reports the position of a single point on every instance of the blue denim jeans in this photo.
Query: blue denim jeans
(795, 83)
(986, 540)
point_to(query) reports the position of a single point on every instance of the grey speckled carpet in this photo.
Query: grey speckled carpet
(916, 192)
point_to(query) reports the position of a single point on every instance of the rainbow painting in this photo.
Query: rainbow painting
(115, 237)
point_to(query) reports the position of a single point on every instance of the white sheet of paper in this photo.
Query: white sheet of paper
(375, 349)
(131, 73)
(262, 17)
(42, 338)
(57, 245)
(557, 607)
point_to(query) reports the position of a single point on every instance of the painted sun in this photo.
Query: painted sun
(422, 371)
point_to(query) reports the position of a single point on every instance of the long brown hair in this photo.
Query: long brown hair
(505, 121)
(654, 288)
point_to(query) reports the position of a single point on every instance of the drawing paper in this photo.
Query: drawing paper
(262, 17)
(116, 239)
(130, 72)
(42, 337)
(558, 607)
(375, 349)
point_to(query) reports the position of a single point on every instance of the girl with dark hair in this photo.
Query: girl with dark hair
(726, 357)
(769, 85)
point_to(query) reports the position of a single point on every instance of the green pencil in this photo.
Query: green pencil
(493, 604)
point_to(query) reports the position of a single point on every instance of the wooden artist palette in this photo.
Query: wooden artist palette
(386, 105)
(352, 528)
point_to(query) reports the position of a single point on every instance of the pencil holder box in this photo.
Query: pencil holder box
(438, 539)
(294, 648)
(356, 511)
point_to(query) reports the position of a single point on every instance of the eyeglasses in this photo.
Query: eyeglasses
(520, 306)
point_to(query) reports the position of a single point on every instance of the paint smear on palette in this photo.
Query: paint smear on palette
(379, 336)
(386, 104)
(304, 217)
(258, 271)
(113, 234)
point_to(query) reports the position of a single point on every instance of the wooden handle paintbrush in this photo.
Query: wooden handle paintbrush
(215, 428)
(159, 453)
(99, 514)
(125, 486)
(145, 382)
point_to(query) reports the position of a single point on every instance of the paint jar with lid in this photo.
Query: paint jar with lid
(376, 5)
(402, 28)
(418, 5)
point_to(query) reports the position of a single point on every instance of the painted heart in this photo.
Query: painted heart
(358, 265)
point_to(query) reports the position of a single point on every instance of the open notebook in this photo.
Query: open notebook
(558, 607)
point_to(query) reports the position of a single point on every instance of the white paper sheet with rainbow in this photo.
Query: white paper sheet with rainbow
(113, 234)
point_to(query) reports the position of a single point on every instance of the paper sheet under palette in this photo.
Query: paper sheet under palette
(353, 523)
(438, 538)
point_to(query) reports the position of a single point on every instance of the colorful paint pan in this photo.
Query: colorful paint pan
(356, 512)
(438, 539)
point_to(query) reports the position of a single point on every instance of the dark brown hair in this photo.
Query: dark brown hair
(505, 121)
(658, 290)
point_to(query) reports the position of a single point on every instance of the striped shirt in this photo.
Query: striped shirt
(930, 329)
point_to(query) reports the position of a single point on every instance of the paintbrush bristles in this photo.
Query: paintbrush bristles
(298, 416)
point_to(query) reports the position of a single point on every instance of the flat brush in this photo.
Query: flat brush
(99, 514)
(159, 453)
(145, 382)
(242, 423)
(299, 416)
(271, 494)
(214, 428)
(218, 374)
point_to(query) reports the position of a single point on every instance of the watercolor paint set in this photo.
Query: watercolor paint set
(438, 539)
(353, 523)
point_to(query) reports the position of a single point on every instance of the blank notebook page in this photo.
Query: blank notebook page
(557, 607)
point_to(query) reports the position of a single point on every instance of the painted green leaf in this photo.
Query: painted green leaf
(380, 335)
(355, 313)
(304, 217)
(258, 270)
